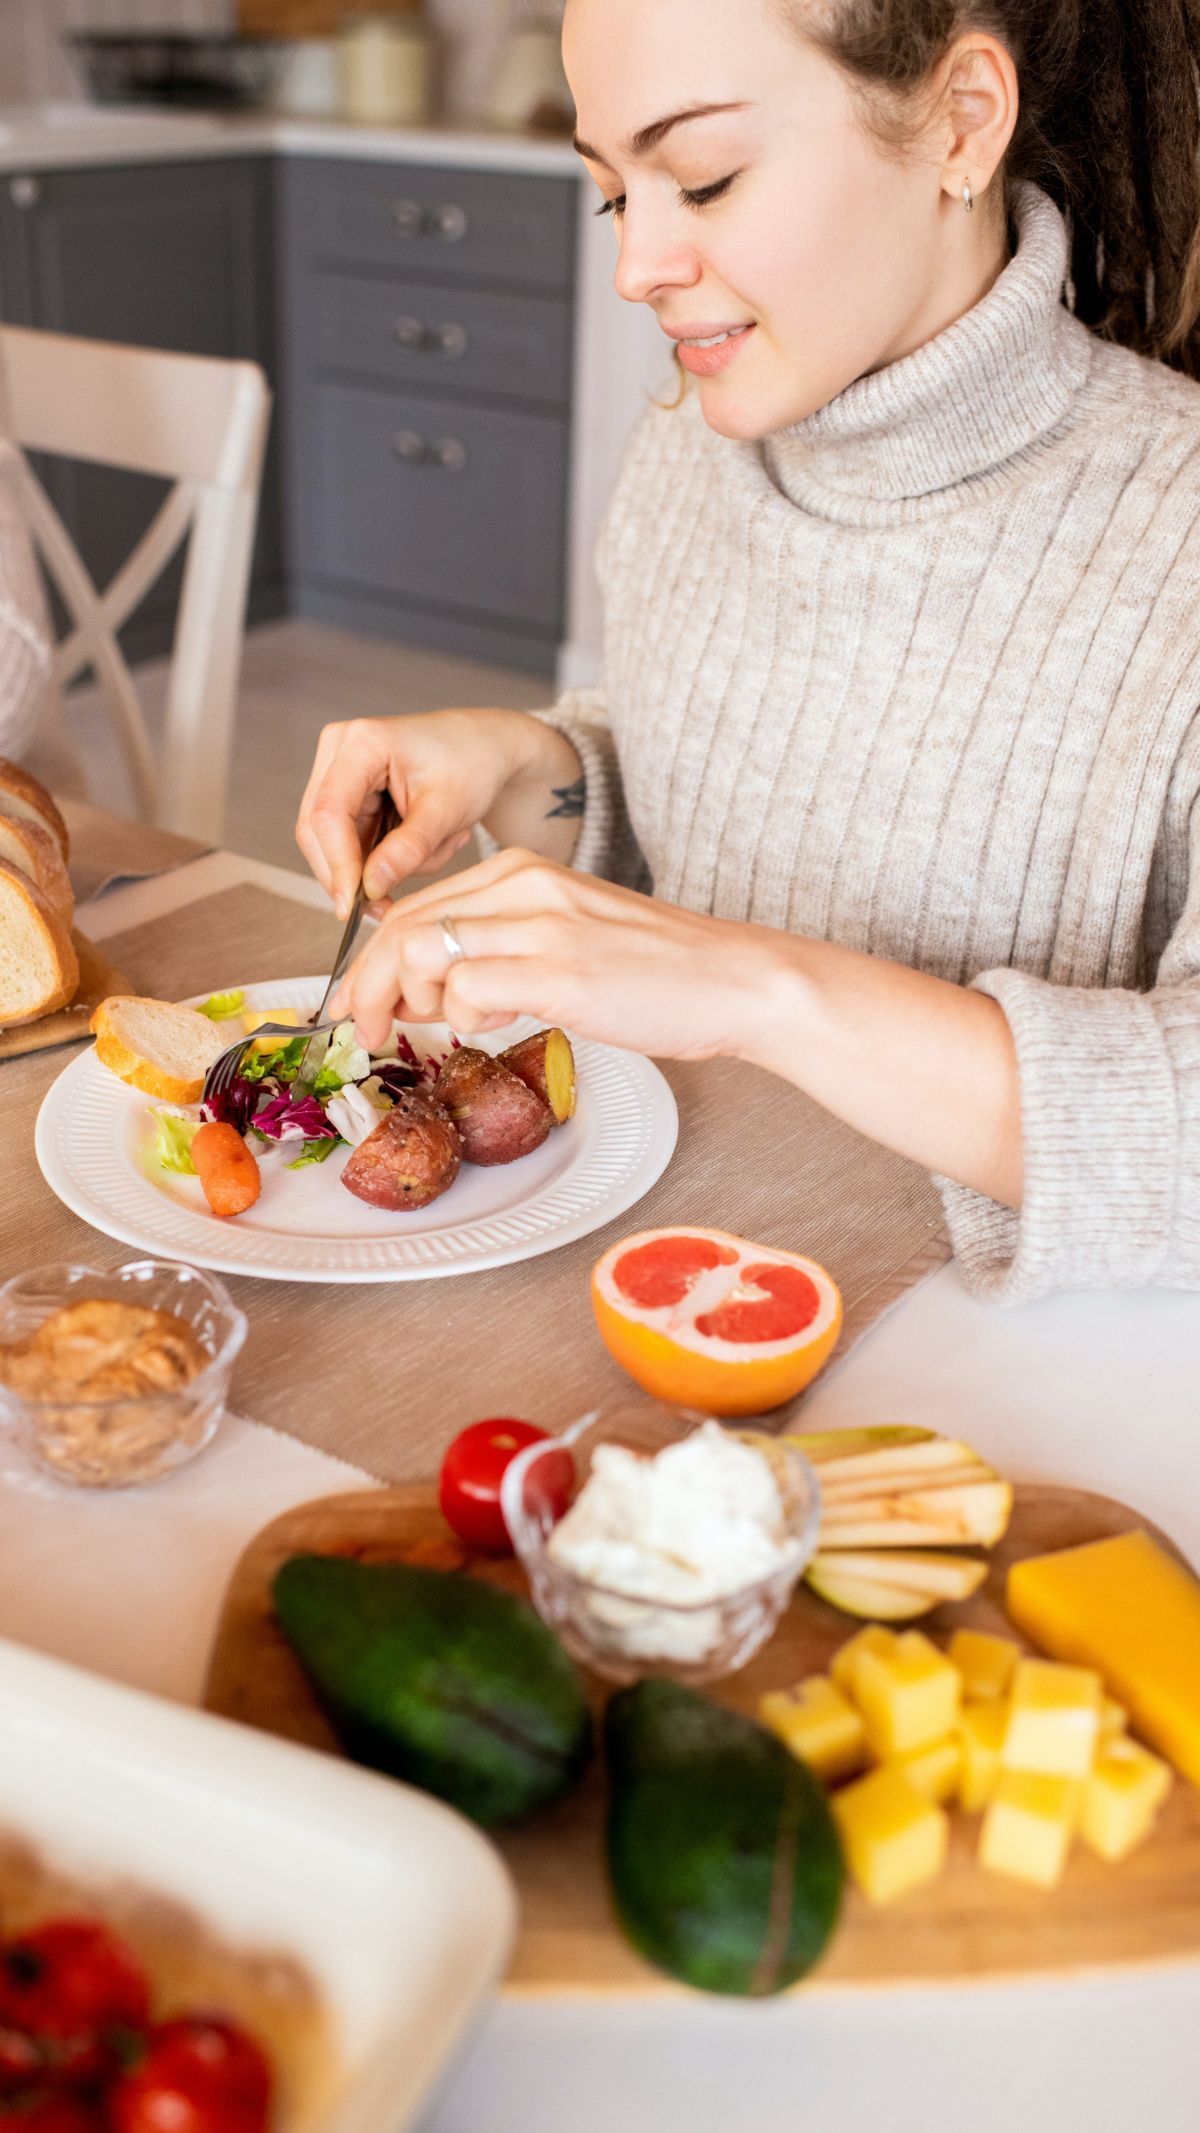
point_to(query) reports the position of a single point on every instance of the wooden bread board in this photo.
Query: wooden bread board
(98, 980)
(968, 1924)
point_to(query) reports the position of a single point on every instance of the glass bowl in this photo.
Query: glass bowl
(624, 1637)
(132, 1437)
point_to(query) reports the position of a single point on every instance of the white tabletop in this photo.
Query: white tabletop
(1100, 1390)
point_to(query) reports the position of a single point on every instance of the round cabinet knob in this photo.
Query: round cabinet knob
(411, 446)
(25, 192)
(450, 223)
(452, 340)
(451, 454)
(409, 216)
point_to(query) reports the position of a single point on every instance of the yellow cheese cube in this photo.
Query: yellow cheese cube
(1053, 1719)
(1028, 1826)
(874, 1638)
(908, 1696)
(1122, 1797)
(1124, 1606)
(985, 1663)
(893, 1838)
(1113, 1719)
(819, 1724)
(932, 1771)
(981, 1736)
(255, 1019)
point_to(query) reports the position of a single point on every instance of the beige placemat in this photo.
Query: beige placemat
(384, 1376)
(106, 849)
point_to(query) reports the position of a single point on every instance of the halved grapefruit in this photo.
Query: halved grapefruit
(708, 1320)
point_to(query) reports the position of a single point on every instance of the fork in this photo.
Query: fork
(224, 1071)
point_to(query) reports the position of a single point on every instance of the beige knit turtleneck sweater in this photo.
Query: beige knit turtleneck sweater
(922, 676)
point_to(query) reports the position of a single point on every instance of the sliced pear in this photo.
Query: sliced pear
(865, 1597)
(938, 1577)
(823, 1444)
(849, 1488)
(926, 1457)
(892, 1586)
(975, 1515)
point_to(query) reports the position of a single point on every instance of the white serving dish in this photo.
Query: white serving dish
(397, 1908)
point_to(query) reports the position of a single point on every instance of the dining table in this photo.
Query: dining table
(1097, 1390)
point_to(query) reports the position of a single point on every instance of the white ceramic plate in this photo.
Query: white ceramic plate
(398, 1910)
(92, 1135)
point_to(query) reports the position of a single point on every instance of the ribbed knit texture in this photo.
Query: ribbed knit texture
(922, 676)
(24, 631)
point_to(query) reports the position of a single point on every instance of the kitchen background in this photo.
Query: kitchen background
(34, 66)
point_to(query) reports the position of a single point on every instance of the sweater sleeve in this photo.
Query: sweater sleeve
(24, 629)
(1110, 1124)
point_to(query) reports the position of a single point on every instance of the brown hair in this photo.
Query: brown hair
(1109, 126)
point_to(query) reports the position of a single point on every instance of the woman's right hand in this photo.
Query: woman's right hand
(446, 771)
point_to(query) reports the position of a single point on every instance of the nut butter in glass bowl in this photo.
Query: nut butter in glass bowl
(110, 1379)
(625, 1634)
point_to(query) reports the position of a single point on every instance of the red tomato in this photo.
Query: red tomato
(75, 1991)
(473, 1468)
(200, 2075)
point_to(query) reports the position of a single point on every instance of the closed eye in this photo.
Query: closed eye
(702, 196)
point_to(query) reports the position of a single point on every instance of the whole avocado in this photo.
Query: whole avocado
(438, 1679)
(724, 1859)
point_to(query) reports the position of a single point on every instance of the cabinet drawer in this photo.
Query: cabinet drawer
(408, 333)
(424, 219)
(459, 506)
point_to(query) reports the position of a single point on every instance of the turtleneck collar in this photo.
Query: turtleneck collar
(911, 437)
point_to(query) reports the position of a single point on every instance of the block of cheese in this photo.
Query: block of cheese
(932, 1771)
(1124, 1607)
(981, 1734)
(1028, 1826)
(1053, 1719)
(874, 1638)
(1122, 1797)
(909, 1696)
(985, 1662)
(818, 1724)
(892, 1836)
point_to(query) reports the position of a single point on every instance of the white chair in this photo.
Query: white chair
(197, 422)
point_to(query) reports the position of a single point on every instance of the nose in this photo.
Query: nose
(653, 258)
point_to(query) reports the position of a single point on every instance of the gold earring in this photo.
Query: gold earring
(968, 197)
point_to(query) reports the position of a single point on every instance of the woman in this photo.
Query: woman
(902, 663)
(24, 630)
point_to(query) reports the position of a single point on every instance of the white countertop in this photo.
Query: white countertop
(59, 136)
(1096, 1390)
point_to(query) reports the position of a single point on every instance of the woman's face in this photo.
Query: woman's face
(756, 210)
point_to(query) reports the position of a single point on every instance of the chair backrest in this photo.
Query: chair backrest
(201, 424)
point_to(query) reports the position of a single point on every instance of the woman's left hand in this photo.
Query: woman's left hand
(541, 940)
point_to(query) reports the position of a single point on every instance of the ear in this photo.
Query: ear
(978, 110)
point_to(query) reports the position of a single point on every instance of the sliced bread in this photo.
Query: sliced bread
(39, 970)
(164, 1050)
(29, 845)
(23, 794)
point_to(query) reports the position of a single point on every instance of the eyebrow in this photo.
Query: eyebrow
(650, 136)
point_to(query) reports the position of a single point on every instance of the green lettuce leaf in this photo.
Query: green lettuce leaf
(173, 1137)
(222, 1005)
(315, 1152)
(344, 1061)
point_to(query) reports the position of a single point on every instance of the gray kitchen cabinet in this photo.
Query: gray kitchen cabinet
(426, 343)
(174, 255)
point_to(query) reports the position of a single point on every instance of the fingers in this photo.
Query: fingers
(424, 841)
(408, 973)
(351, 769)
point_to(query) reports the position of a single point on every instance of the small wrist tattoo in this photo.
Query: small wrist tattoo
(570, 798)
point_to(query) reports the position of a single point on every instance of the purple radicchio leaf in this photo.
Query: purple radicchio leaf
(289, 1117)
(236, 1105)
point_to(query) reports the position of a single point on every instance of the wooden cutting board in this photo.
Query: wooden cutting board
(968, 1924)
(98, 980)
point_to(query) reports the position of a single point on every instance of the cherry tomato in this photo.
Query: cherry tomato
(75, 1992)
(473, 1468)
(200, 2075)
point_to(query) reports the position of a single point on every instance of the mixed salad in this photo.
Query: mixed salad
(294, 1092)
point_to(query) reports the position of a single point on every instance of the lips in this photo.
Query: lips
(705, 352)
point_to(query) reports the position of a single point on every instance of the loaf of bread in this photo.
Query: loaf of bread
(27, 845)
(22, 795)
(39, 970)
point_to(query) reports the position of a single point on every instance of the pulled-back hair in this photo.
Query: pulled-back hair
(1109, 126)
